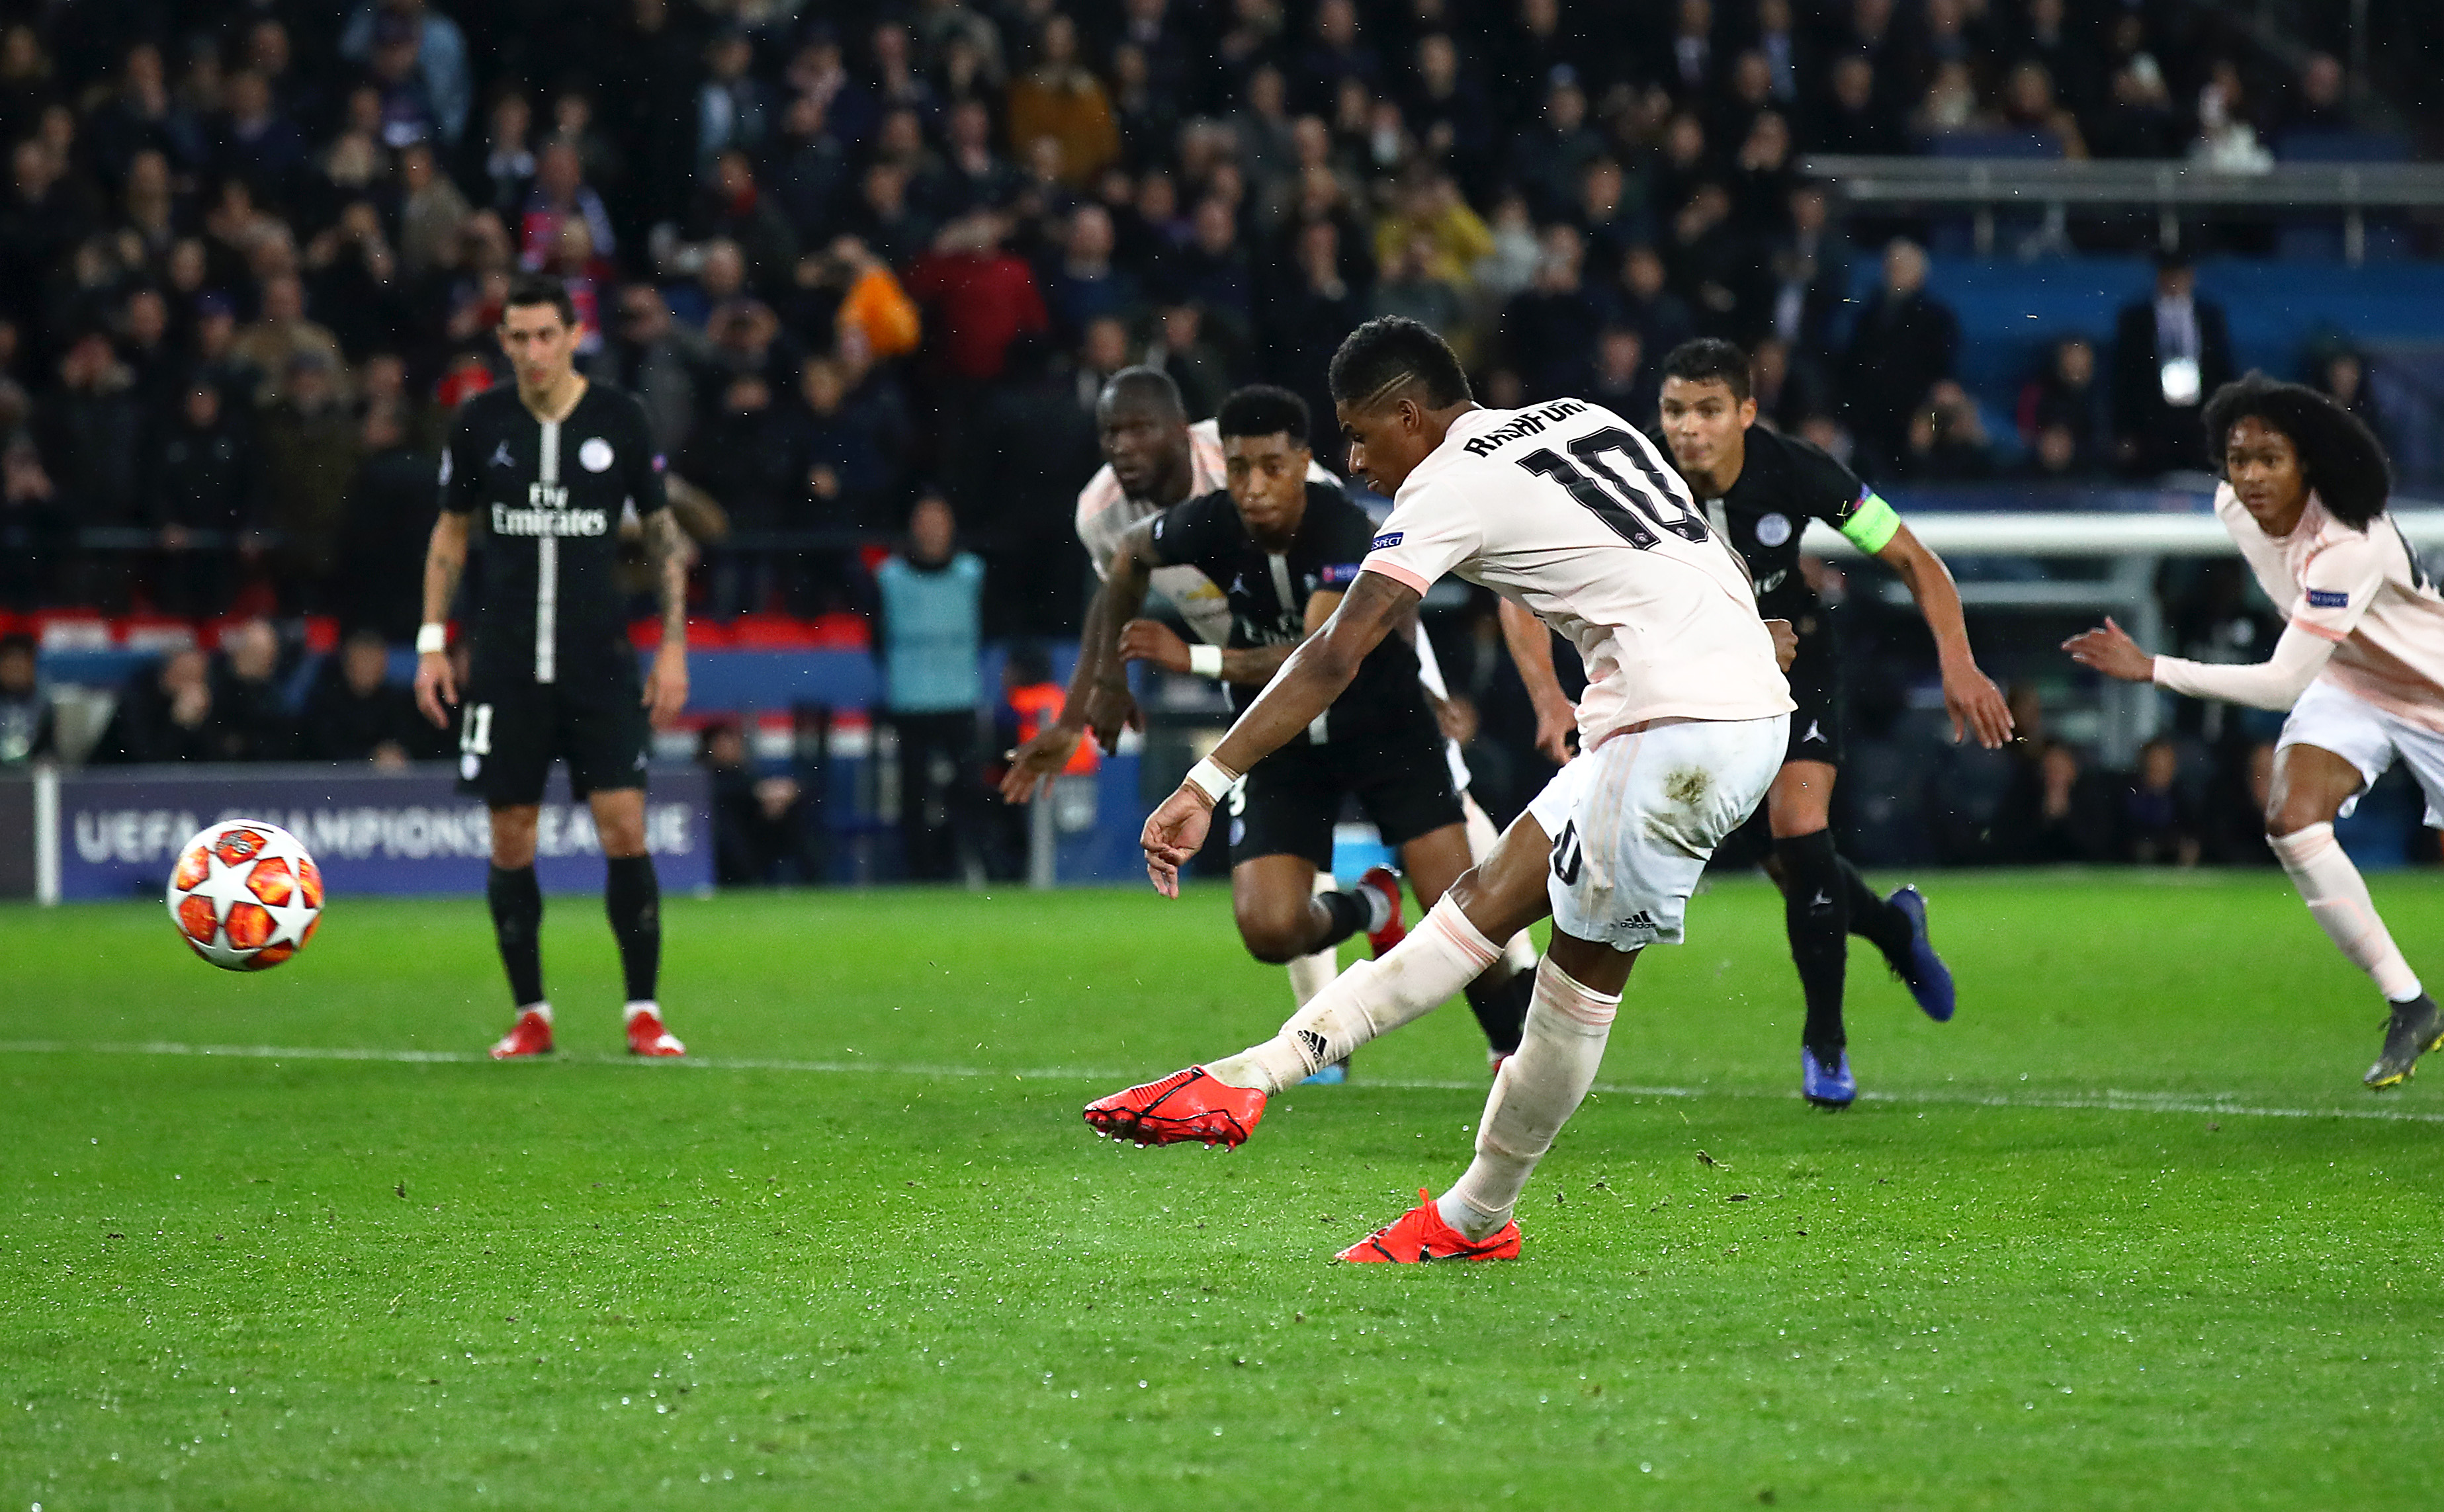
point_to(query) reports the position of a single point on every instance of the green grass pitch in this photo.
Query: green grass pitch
(2127, 1233)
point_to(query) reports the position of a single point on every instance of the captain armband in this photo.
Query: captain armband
(1872, 525)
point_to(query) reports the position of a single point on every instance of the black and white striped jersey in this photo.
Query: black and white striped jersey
(546, 499)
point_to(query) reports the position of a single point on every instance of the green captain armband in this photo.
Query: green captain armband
(1872, 525)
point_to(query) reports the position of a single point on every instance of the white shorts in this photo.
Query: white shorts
(2369, 739)
(1634, 820)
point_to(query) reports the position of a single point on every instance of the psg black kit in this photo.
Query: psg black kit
(1784, 484)
(1378, 741)
(552, 674)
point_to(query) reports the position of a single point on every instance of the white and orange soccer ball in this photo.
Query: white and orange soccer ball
(246, 895)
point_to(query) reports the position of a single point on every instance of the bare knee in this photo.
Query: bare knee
(1278, 935)
(513, 837)
(620, 823)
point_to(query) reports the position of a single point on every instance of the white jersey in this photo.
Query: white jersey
(1105, 513)
(1567, 509)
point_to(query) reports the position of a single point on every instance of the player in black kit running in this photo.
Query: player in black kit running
(1285, 549)
(1762, 489)
(545, 471)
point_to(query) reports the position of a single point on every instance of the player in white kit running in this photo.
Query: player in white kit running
(2360, 664)
(1567, 509)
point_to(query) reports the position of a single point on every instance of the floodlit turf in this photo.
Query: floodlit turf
(2104, 1242)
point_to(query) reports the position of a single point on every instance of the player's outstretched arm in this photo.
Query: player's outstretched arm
(2275, 683)
(1532, 652)
(1099, 690)
(667, 549)
(1315, 675)
(1151, 641)
(1974, 703)
(445, 559)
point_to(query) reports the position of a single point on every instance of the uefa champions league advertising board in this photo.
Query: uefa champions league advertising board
(394, 832)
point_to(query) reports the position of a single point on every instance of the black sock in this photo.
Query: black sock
(633, 901)
(1873, 919)
(1501, 1007)
(1350, 915)
(517, 924)
(1816, 911)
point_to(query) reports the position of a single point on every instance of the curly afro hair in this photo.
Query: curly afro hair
(2340, 456)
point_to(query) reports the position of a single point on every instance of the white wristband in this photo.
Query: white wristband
(1211, 778)
(1205, 661)
(432, 640)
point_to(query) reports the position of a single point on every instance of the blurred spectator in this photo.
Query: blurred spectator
(164, 713)
(1620, 381)
(251, 720)
(1061, 98)
(274, 345)
(2341, 375)
(561, 192)
(2226, 140)
(842, 455)
(2067, 398)
(661, 361)
(435, 44)
(1905, 341)
(1947, 438)
(733, 108)
(2161, 824)
(1544, 330)
(27, 722)
(1856, 118)
(2057, 811)
(2138, 120)
(2170, 353)
(388, 516)
(201, 481)
(309, 455)
(92, 435)
(1410, 286)
(730, 207)
(981, 297)
(742, 457)
(929, 636)
(759, 830)
(354, 712)
(1084, 287)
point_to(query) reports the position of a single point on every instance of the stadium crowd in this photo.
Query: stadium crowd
(855, 257)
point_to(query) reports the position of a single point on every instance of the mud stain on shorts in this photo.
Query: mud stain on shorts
(1688, 787)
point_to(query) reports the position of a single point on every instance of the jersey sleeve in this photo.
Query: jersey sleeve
(1343, 546)
(2337, 587)
(1427, 534)
(647, 488)
(1834, 494)
(462, 461)
(1184, 535)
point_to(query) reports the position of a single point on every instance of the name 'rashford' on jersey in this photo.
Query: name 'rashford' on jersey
(549, 497)
(1567, 509)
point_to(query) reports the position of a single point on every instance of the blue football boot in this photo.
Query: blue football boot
(1826, 1086)
(1331, 1076)
(1922, 970)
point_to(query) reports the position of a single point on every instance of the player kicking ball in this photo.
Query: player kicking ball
(1288, 547)
(550, 464)
(1568, 511)
(1761, 489)
(2360, 664)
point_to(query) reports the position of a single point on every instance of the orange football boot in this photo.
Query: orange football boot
(1386, 881)
(1420, 1235)
(1184, 1107)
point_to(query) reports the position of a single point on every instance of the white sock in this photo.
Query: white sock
(1534, 1096)
(1441, 955)
(2338, 899)
(641, 1006)
(1482, 836)
(543, 1008)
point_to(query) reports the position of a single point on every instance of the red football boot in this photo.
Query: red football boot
(646, 1035)
(1187, 1107)
(1420, 1235)
(1386, 881)
(530, 1035)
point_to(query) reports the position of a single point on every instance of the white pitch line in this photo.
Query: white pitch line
(2105, 1101)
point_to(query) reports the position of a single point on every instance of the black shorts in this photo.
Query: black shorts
(1290, 803)
(1816, 687)
(512, 728)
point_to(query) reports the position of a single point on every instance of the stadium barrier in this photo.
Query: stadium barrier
(87, 836)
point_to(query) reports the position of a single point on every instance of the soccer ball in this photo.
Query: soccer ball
(246, 895)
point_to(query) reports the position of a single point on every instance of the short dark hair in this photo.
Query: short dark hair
(2341, 457)
(1710, 359)
(1149, 386)
(19, 640)
(537, 288)
(1261, 408)
(1389, 349)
